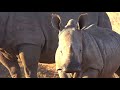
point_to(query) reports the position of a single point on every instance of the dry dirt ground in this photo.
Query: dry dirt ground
(44, 71)
(48, 70)
(115, 20)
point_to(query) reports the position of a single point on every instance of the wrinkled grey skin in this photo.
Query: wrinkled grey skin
(31, 37)
(88, 52)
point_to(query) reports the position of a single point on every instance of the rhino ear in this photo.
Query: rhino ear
(56, 21)
(83, 20)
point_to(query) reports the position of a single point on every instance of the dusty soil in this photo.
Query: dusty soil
(48, 70)
(44, 71)
(115, 20)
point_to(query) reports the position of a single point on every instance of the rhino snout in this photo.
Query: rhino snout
(71, 67)
(71, 70)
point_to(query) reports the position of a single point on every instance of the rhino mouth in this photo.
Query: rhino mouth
(69, 70)
(73, 73)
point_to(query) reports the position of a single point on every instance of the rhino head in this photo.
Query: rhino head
(68, 55)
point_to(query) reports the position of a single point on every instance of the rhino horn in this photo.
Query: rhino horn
(73, 23)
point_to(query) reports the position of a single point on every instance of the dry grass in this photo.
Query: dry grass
(48, 70)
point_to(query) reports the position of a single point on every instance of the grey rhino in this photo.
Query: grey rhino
(30, 36)
(88, 52)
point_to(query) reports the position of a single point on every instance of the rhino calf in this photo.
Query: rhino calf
(89, 52)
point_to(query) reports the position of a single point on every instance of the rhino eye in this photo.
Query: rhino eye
(80, 50)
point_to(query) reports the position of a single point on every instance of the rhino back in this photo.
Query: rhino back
(109, 47)
(3, 23)
(37, 24)
(23, 27)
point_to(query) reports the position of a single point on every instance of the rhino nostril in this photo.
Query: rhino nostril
(59, 69)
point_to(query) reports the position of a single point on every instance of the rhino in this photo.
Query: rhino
(31, 37)
(87, 52)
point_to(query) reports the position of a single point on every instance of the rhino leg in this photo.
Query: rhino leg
(11, 65)
(29, 55)
(90, 73)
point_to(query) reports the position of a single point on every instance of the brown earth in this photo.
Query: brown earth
(115, 20)
(44, 71)
(48, 70)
